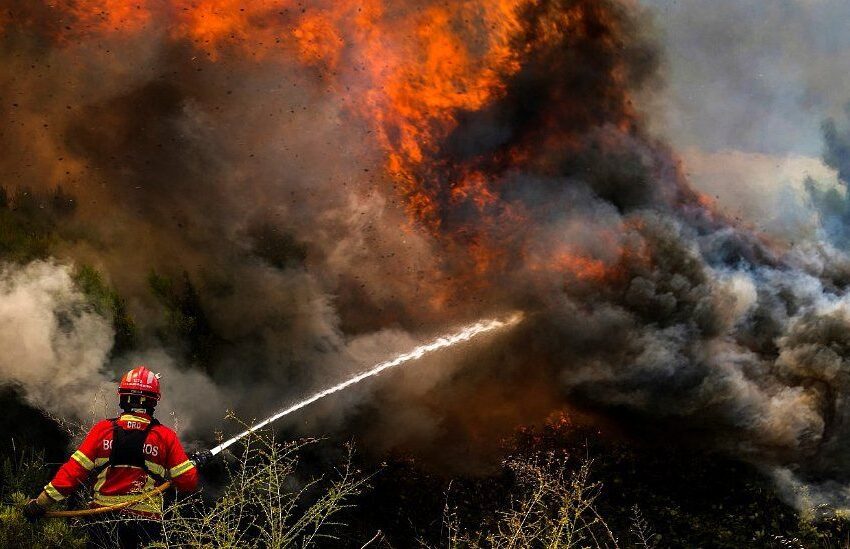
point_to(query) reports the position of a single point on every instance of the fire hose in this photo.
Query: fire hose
(108, 509)
(200, 458)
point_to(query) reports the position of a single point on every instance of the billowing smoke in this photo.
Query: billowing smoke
(284, 194)
(54, 344)
(57, 346)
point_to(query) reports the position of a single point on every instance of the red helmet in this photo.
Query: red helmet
(140, 381)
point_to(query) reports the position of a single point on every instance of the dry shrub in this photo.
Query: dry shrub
(265, 502)
(553, 507)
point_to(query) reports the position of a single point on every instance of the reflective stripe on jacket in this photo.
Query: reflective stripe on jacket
(163, 455)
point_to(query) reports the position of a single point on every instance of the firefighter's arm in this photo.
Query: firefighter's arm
(73, 473)
(76, 470)
(181, 470)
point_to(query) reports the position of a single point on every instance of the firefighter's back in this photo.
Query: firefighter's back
(133, 454)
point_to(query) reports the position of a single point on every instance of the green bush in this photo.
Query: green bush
(22, 477)
(28, 222)
(108, 303)
(16, 531)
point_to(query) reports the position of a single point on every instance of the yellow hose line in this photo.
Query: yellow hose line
(100, 510)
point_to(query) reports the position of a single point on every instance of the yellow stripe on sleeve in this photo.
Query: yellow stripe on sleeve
(53, 492)
(155, 468)
(178, 470)
(83, 460)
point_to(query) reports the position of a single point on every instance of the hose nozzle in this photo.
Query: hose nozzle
(201, 458)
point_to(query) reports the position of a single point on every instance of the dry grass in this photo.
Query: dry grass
(265, 502)
(553, 508)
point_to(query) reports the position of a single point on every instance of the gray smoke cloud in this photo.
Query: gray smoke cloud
(57, 350)
(53, 343)
(750, 75)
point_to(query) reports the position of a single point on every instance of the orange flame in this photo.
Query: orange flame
(410, 73)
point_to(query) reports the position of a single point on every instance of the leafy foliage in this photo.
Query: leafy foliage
(26, 474)
(108, 303)
(16, 531)
(28, 222)
(187, 328)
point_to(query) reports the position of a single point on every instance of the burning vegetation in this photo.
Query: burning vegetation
(262, 198)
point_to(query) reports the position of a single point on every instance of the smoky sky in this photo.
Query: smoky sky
(750, 75)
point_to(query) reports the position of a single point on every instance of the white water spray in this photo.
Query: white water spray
(464, 334)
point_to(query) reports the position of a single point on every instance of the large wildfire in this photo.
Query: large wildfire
(327, 178)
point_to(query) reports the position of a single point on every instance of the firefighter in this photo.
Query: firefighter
(127, 456)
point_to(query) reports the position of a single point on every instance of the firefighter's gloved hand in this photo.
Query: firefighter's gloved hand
(33, 510)
(201, 458)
